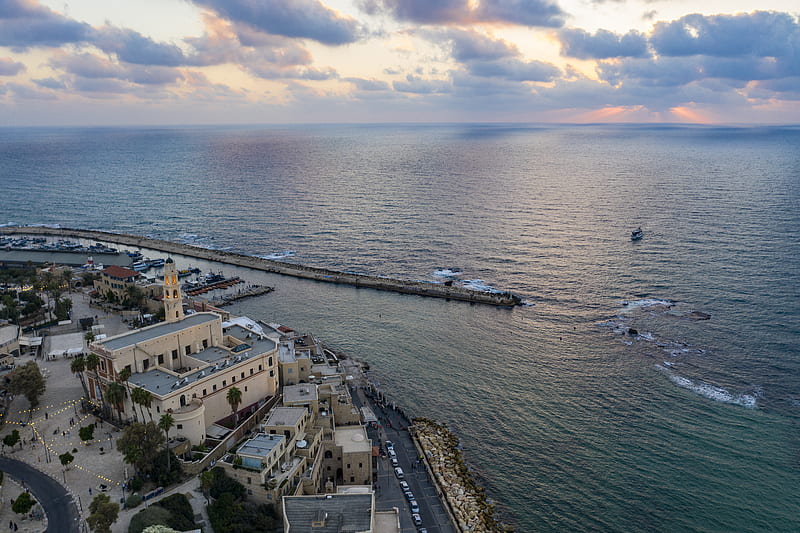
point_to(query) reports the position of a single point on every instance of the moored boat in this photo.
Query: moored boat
(637, 234)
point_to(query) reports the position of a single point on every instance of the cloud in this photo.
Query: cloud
(471, 45)
(271, 72)
(515, 70)
(446, 12)
(27, 92)
(133, 47)
(90, 66)
(9, 67)
(24, 24)
(602, 45)
(761, 34)
(416, 85)
(368, 85)
(50, 83)
(307, 19)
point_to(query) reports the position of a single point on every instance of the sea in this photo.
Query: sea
(645, 386)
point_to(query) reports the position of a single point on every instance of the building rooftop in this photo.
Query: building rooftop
(305, 392)
(158, 330)
(8, 334)
(120, 272)
(352, 439)
(328, 513)
(261, 445)
(285, 416)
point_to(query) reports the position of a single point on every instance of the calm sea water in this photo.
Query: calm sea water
(570, 423)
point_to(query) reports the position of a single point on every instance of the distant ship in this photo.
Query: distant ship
(637, 234)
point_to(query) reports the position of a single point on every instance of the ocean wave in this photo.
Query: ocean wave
(478, 285)
(631, 305)
(277, 256)
(447, 272)
(8, 225)
(712, 392)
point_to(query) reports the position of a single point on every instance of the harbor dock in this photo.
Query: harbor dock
(435, 290)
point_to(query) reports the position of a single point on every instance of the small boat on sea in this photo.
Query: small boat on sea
(637, 234)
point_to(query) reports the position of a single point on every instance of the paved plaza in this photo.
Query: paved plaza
(52, 429)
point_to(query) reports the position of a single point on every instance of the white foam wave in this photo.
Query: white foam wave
(51, 226)
(8, 225)
(478, 285)
(447, 272)
(631, 305)
(279, 255)
(712, 392)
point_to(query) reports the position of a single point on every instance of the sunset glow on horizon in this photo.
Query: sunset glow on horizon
(309, 61)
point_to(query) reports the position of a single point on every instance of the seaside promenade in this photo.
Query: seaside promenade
(435, 290)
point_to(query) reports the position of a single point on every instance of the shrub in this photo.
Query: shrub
(134, 500)
(153, 515)
(181, 514)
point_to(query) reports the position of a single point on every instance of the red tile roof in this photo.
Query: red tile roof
(120, 272)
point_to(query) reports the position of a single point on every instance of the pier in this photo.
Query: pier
(419, 288)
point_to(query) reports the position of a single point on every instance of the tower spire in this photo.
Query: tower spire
(173, 300)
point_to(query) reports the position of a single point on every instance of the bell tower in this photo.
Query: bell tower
(173, 301)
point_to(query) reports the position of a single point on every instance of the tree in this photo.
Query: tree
(28, 381)
(206, 480)
(234, 398)
(103, 514)
(124, 375)
(92, 363)
(115, 394)
(66, 458)
(78, 365)
(63, 307)
(86, 433)
(137, 397)
(23, 503)
(140, 444)
(11, 439)
(166, 422)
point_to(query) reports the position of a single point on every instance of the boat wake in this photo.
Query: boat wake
(712, 392)
(277, 256)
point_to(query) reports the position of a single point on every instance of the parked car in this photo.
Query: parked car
(399, 473)
(414, 506)
(417, 519)
(395, 462)
(404, 485)
(389, 445)
(409, 495)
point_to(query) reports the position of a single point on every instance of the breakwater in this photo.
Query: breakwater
(299, 271)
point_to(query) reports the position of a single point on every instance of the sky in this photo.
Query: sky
(118, 62)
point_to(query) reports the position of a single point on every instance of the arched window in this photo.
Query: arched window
(183, 400)
(175, 293)
(328, 454)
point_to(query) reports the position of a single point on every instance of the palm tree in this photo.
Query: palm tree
(124, 375)
(137, 397)
(92, 362)
(147, 401)
(166, 422)
(115, 394)
(234, 399)
(77, 366)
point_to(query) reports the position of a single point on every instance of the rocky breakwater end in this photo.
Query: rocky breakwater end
(467, 501)
(505, 299)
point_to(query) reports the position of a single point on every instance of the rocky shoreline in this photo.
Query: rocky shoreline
(468, 504)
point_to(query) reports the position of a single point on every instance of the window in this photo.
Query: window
(146, 364)
(204, 392)
(128, 368)
(348, 466)
(249, 481)
(174, 354)
(361, 465)
(352, 479)
(272, 373)
(215, 387)
(251, 371)
(179, 426)
(269, 362)
(233, 379)
(242, 375)
(224, 383)
(161, 359)
(259, 368)
(158, 409)
(302, 369)
(188, 349)
(205, 343)
(245, 389)
(290, 370)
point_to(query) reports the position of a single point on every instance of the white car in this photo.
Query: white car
(399, 473)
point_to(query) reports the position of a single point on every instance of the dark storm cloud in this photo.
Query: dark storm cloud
(515, 12)
(24, 24)
(603, 44)
(307, 19)
(9, 67)
(761, 34)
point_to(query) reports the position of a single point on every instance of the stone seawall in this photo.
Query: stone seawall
(266, 265)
